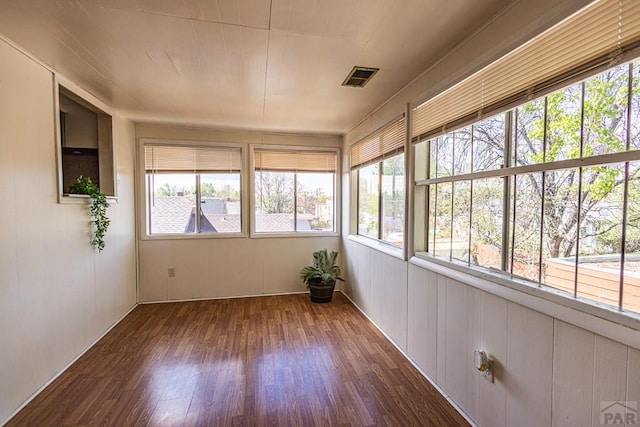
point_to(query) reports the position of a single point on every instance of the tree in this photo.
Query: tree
(393, 167)
(308, 199)
(368, 199)
(571, 201)
(207, 189)
(168, 190)
(274, 192)
(602, 131)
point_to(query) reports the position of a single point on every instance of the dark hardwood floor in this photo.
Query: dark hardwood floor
(277, 360)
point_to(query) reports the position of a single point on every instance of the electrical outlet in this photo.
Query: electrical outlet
(488, 374)
(483, 363)
(172, 272)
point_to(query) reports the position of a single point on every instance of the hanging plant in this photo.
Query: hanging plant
(98, 208)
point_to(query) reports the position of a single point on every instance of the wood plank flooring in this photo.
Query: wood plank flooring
(265, 361)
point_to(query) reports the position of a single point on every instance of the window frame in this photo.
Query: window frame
(143, 196)
(381, 200)
(406, 149)
(106, 144)
(505, 276)
(252, 192)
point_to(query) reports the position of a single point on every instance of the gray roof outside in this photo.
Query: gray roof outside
(212, 205)
(175, 215)
(170, 214)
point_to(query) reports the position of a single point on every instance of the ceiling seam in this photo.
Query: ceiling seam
(208, 21)
(284, 46)
(266, 67)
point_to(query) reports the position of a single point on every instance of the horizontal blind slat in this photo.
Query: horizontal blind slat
(388, 140)
(295, 161)
(599, 30)
(190, 159)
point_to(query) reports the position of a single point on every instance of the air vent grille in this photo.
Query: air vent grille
(359, 76)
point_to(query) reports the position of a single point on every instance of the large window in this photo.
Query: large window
(377, 164)
(192, 189)
(294, 190)
(546, 192)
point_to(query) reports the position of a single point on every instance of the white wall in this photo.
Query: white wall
(548, 371)
(57, 295)
(221, 266)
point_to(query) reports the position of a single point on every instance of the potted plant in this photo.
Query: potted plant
(98, 209)
(321, 277)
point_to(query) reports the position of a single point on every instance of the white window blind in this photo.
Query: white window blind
(295, 161)
(180, 159)
(594, 37)
(386, 142)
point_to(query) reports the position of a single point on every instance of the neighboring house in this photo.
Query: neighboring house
(212, 205)
(176, 215)
(170, 214)
(282, 222)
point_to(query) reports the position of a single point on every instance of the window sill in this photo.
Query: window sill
(266, 235)
(193, 236)
(600, 319)
(379, 245)
(76, 199)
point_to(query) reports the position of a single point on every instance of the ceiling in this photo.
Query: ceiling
(252, 64)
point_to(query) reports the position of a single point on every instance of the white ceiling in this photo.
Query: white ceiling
(254, 64)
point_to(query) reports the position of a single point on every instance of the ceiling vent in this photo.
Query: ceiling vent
(359, 76)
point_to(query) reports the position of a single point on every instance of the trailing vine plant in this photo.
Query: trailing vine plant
(98, 208)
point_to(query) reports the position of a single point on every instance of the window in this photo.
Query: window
(377, 163)
(294, 190)
(192, 189)
(549, 194)
(85, 142)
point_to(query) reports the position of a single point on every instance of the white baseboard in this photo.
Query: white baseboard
(222, 297)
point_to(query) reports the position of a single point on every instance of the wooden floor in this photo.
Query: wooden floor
(278, 360)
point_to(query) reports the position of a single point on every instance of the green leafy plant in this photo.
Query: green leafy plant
(324, 269)
(98, 208)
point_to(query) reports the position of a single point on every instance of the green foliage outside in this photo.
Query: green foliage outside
(207, 189)
(274, 192)
(593, 209)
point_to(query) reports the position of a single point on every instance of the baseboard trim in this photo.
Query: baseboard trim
(406, 356)
(67, 366)
(222, 297)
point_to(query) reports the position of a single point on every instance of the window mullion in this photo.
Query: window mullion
(579, 213)
(380, 201)
(151, 199)
(543, 183)
(198, 209)
(427, 198)
(453, 190)
(295, 201)
(514, 148)
(625, 194)
(507, 191)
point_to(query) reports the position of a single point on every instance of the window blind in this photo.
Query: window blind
(594, 37)
(386, 142)
(295, 161)
(179, 158)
